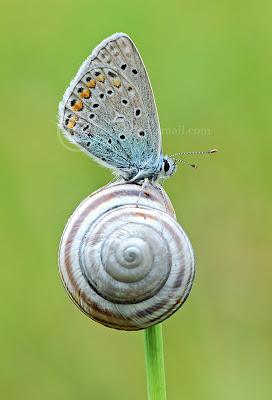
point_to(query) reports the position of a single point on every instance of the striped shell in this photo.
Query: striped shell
(124, 260)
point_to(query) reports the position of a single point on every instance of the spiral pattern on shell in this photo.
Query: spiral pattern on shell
(124, 259)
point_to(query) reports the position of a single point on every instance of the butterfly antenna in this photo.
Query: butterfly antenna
(186, 163)
(185, 153)
(188, 153)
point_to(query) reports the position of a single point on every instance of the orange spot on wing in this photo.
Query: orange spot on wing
(116, 82)
(86, 94)
(72, 122)
(91, 83)
(78, 106)
(100, 78)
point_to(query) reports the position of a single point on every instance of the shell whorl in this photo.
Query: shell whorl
(124, 259)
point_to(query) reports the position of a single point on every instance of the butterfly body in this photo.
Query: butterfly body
(109, 112)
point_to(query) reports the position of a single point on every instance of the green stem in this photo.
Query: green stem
(153, 345)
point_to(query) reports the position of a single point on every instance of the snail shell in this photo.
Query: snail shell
(124, 259)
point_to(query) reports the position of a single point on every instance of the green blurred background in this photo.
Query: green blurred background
(210, 67)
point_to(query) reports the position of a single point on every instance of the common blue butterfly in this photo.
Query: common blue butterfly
(109, 111)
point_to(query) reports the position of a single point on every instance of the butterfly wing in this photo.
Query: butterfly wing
(109, 109)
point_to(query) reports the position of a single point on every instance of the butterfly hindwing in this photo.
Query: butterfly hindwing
(109, 109)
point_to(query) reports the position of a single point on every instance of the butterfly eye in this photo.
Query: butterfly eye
(124, 101)
(91, 116)
(109, 92)
(141, 133)
(166, 166)
(122, 137)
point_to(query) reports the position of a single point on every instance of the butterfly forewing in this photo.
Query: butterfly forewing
(109, 108)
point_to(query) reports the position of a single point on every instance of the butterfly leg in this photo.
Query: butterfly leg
(144, 185)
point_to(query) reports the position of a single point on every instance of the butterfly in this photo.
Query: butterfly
(109, 111)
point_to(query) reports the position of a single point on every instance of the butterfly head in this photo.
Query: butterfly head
(168, 167)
